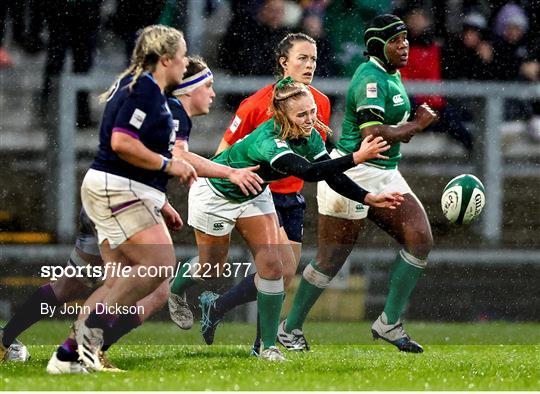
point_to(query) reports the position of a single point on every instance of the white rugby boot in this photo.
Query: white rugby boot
(57, 367)
(180, 312)
(396, 335)
(90, 342)
(272, 354)
(295, 340)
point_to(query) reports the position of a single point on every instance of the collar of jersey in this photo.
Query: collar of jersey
(149, 75)
(377, 64)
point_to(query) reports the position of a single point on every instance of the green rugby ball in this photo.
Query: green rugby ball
(463, 199)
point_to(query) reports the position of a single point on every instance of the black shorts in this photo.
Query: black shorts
(290, 210)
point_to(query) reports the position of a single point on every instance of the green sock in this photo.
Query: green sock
(183, 279)
(269, 311)
(403, 278)
(306, 296)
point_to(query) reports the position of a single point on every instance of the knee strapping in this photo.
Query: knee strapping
(412, 260)
(75, 260)
(316, 278)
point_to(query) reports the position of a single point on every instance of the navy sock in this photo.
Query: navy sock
(103, 320)
(67, 351)
(29, 313)
(240, 294)
(123, 325)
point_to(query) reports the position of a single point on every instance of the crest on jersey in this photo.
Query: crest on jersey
(280, 143)
(137, 118)
(235, 123)
(371, 90)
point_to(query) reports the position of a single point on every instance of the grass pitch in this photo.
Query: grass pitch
(158, 356)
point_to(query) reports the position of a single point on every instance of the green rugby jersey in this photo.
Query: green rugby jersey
(262, 147)
(373, 87)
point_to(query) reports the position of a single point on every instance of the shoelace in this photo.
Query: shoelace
(184, 304)
(299, 339)
(399, 328)
(206, 323)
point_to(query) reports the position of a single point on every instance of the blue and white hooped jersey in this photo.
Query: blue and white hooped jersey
(144, 114)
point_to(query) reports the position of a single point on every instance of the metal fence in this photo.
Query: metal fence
(491, 171)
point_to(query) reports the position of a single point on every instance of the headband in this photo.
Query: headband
(193, 82)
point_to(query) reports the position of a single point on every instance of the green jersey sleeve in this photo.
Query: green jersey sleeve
(370, 96)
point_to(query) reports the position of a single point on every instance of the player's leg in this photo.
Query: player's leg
(146, 249)
(262, 235)
(409, 226)
(213, 250)
(336, 238)
(52, 294)
(213, 306)
(213, 219)
(65, 359)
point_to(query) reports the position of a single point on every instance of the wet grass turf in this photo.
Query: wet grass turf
(158, 356)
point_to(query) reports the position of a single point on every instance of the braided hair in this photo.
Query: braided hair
(153, 42)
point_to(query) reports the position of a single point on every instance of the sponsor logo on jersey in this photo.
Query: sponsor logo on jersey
(137, 118)
(157, 211)
(218, 226)
(280, 143)
(398, 100)
(371, 90)
(235, 123)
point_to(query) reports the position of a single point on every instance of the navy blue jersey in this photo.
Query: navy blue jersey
(182, 122)
(142, 113)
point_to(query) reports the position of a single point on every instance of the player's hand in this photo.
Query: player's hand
(384, 200)
(425, 116)
(247, 180)
(371, 148)
(172, 217)
(183, 170)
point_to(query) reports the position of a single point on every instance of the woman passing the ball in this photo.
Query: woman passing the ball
(377, 106)
(285, 145)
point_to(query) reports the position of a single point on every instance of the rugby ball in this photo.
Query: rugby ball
(463, 199)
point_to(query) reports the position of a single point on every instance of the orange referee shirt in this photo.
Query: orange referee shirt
(254, 110)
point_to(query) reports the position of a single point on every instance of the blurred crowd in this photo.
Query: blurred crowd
(452, 40)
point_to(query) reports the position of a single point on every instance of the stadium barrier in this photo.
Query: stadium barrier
(493, 95)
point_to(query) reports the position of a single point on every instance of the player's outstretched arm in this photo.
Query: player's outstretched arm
(245, 178)
(330, 170)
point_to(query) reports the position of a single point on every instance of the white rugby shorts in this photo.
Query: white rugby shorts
(120, 207)
(373, 179)
(215, 215)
